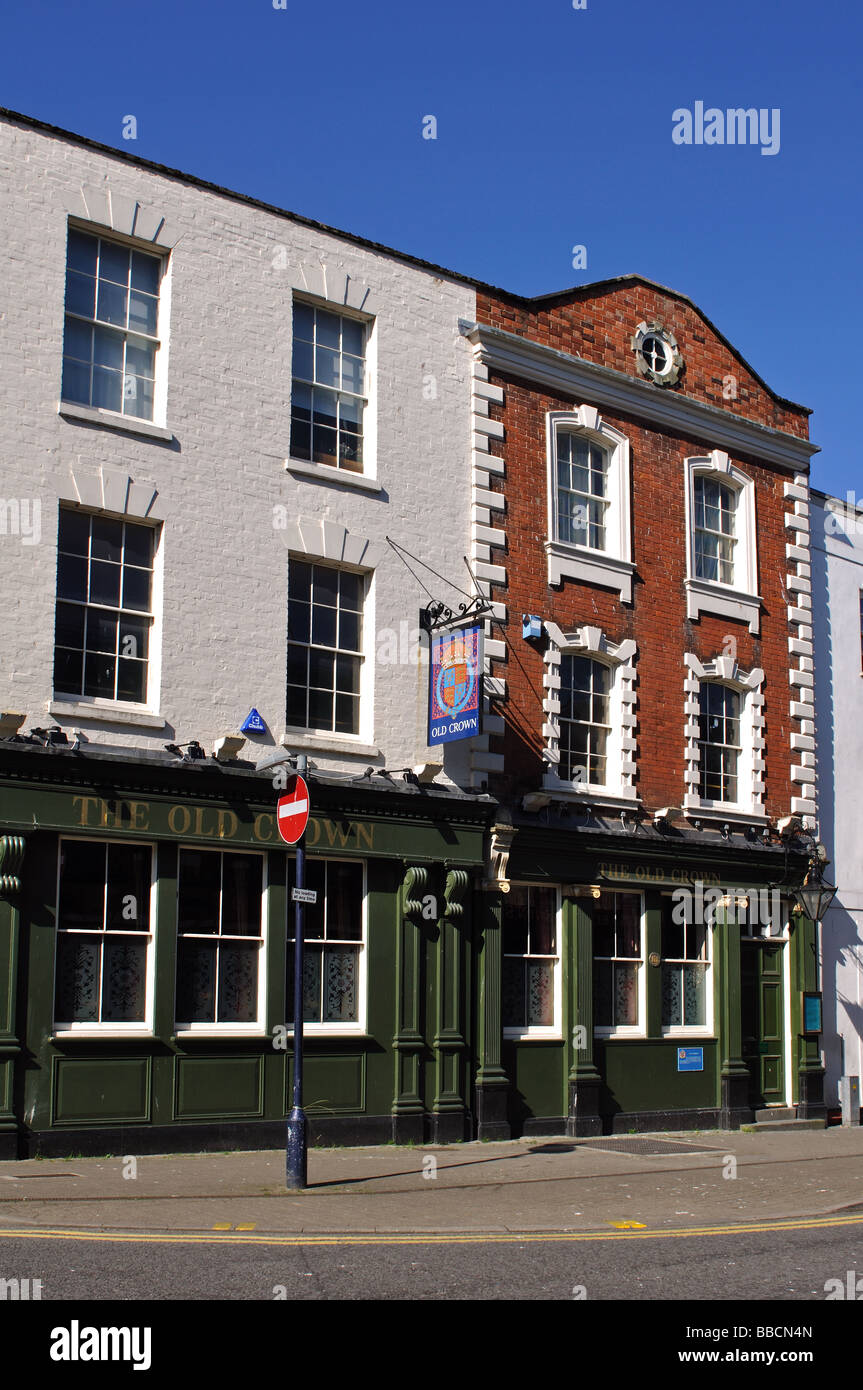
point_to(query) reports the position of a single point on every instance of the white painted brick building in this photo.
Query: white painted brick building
(213, 465)
(837, 593)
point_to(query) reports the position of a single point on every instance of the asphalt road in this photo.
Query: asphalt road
(780, 1265)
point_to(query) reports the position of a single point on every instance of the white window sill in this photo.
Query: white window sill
(329, 473)
(695, 809)
(331, 1030)
(703, 1034)
(112, 421)
(532, 1035)
(109, 713)
(619, 1034)
(569, 561)
(590, 794)
(705, 596)
(214, 1030)
(327, 743)
(110, 1032)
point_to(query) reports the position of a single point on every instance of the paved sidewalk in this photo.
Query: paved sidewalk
(552, 1184)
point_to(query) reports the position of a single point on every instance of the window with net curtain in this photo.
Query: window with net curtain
(530, 955)
(684, 967)
(617, 959)
(333, 943)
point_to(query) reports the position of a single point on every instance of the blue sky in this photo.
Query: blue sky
(553, 130)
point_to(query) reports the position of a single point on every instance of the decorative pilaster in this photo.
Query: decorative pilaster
(810, 1072)
(734, 1074)
(492, 1083)
(11, 859)
(584, 1080)
(798, 585)
(408, 1111)
(487, 535)
(449, 1112)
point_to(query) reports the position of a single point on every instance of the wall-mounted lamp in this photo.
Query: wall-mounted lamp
(52, 738)
(194, 752)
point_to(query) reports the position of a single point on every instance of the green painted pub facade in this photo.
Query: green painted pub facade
(145, 967)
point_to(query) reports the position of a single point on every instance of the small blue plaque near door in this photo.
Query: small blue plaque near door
(254, 724)
(690, 1059)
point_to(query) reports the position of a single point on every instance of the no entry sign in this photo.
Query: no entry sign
(293, 811)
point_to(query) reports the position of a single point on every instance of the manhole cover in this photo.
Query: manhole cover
(553, 1149)
(648, 1147)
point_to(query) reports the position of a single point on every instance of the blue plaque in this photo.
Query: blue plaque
(690, 1059)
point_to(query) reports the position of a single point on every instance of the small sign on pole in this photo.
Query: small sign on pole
(304, 895)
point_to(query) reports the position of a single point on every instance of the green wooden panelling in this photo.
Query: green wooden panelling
(100, 1090)
(334, 1084)
(216, 1086)
(643, 1075)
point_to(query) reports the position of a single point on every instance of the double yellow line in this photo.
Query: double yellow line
(808, 1223)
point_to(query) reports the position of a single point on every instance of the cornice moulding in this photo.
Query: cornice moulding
(575, 377)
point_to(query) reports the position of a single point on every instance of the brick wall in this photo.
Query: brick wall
(657, 618)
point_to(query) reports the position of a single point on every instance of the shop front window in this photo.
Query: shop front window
(333, 942)
(530, 958)
(684, 969)
(220, 935)
(103, 933)
(617, 961)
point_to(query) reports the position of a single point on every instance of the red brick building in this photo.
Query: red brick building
(641, 521)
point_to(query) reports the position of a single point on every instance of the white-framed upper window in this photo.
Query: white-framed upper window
(721, 570)
(105, 609)
(220, 938)
(584, 720)
(589, 525)
(104, 956)
(329, 387)
(590, 707)
(725, 739)
(719, 742)
(618, 964)
(334, 945)
(687, 998)
(111, 341)
(531, 961)
(325, 647)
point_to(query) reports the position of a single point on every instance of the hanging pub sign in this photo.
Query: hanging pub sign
(454, 684)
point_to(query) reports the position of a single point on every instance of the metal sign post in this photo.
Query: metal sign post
(296, 1151)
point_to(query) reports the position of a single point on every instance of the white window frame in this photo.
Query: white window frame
(108, 1028)
(740, 599)
(612, 567)
(626, 1030)
(335, 473)
(537, 1031)
(748, 807)
(83, 704)
(257, 1026)
(696, 1030)
(364, 734)
(339, 1027)
(134, 423)
(619, 788)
